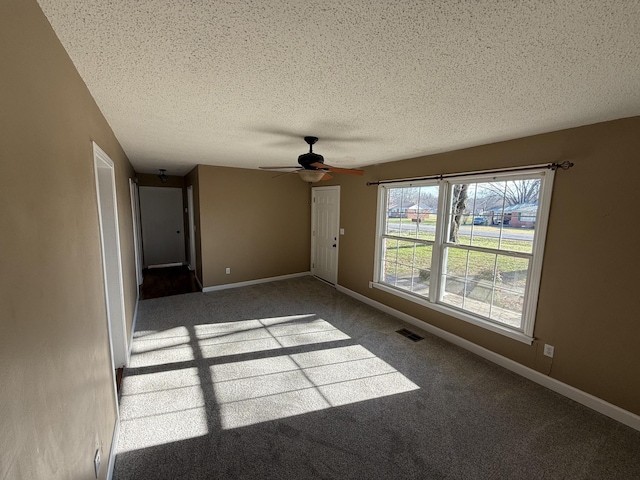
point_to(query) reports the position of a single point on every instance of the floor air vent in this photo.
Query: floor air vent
(410, 335)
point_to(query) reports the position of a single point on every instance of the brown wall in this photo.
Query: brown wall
(257, 225)
(589, 279)
(56, 386)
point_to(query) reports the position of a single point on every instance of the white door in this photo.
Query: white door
(325, 226)
(192, 229)
(162, 226)
(111, 260)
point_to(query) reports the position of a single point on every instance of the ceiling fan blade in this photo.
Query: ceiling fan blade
(288, 167)
(330, 133)
(326, 176)
(348, 171)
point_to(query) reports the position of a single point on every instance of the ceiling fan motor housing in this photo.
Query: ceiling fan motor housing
(306, 159)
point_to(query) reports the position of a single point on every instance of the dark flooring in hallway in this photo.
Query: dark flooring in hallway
(167, 281)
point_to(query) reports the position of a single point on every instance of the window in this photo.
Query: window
(470, 246)
(409, 236)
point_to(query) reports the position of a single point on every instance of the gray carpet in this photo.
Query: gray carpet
(294, 380)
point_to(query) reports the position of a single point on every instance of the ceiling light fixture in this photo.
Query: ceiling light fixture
(311, 176)
(162, 176)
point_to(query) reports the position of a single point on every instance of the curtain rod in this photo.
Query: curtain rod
(566, 165)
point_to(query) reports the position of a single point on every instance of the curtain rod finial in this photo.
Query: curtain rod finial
(566, 165)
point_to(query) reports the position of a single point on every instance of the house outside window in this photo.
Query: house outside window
(469, 246)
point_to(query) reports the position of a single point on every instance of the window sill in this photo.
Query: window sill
(452, 312)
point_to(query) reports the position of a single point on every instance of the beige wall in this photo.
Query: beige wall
(56, 389)
(257, 225)
(587, 306)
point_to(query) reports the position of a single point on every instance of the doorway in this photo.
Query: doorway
(162, 226)
(111, 259)
(325, 226)
(192, 229)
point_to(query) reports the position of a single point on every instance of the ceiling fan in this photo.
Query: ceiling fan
(312, 167)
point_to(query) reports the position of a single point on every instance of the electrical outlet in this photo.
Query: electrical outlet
(370, 284)
(96, 462)
(227, 270)
(548, 350)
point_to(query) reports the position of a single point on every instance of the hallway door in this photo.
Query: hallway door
(162, 226)
(191, 234)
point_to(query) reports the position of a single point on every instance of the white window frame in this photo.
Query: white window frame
(525, 332)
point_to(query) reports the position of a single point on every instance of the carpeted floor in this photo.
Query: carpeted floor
(294, 380)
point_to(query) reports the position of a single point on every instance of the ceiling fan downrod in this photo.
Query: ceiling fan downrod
(311, 141)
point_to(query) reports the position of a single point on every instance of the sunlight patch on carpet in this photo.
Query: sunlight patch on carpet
(250, 336)
(162, 407)
(255, 391)
(183, 382)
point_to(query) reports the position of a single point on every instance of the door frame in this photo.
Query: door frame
(313, 224)
(104, 171)
(137, 233)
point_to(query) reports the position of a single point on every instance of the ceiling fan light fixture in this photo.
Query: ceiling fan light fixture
(311, 176)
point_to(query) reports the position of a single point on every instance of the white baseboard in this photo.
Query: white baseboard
(163, 265)
(112, 452)
(601, 406)
(254, 282)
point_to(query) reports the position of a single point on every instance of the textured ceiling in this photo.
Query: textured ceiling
(239, 83)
